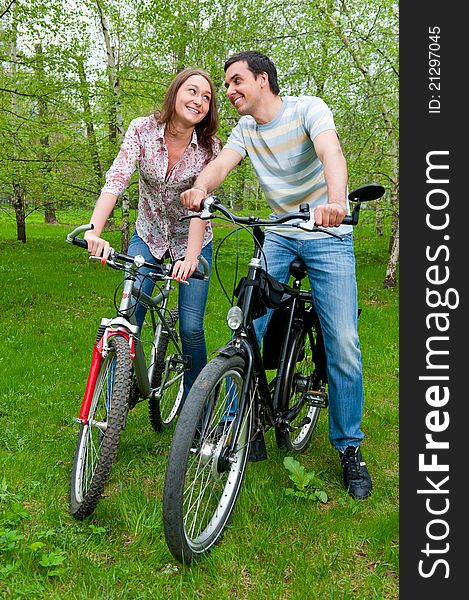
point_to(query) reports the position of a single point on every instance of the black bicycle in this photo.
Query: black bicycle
(232, 403)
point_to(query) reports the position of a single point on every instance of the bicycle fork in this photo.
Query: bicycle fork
(99, 352)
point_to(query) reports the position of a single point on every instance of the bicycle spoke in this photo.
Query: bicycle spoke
(208, 474)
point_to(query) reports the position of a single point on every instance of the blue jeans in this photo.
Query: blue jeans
(192, 300)
(331, 271)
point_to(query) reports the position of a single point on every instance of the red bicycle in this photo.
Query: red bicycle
(127, 366)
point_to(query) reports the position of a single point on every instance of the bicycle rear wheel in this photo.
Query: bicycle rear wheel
(169, 370)
(203, 475)
(301, 388)
(99, 437)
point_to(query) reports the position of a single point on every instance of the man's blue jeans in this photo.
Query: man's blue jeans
(331, 271)
(192, 300)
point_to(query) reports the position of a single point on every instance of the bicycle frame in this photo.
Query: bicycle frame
(245, 342)
(127, 327)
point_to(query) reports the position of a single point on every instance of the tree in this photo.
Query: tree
(66, 103)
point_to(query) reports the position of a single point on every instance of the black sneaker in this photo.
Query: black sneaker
(356, 477)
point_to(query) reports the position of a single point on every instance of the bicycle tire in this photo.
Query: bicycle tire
(300, 374)
(97, 445)
(164, 409)
(202, 480)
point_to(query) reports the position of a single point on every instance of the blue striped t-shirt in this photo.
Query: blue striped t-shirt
(283, 157)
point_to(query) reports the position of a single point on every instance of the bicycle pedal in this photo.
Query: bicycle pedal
(317, 399)
(181, 359)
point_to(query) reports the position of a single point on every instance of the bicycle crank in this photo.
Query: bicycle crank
(302, 423)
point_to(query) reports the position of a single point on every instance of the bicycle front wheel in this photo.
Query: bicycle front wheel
(302, 390)
(168, 374)
(206, 466)
(99, 437)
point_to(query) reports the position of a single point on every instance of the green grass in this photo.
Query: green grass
(276, 546)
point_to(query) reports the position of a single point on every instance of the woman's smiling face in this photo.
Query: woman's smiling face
(192, 101)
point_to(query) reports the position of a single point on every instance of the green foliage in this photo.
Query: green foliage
(307, 484)
(25, 550)
(57, 100)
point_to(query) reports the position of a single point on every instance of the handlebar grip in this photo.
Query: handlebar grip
(197, 275)
(353, 218)
(79, 242)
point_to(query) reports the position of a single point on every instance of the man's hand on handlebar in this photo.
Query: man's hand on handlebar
(192, 198)
(329, 215)
(97, 246)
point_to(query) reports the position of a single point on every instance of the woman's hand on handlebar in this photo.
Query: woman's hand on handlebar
(97, 246)
(183, 269)
(329, 215)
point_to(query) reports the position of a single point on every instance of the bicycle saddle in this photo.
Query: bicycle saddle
(297, 269)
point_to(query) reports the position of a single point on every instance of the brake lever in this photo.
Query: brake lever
(205, 215)
(311, 227)
(111, 261)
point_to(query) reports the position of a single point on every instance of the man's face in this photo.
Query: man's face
(242, 88)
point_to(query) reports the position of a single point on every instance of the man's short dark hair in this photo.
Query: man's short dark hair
(257, 63)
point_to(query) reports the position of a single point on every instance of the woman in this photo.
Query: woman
(171, 147)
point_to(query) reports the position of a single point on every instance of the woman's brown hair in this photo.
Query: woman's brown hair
(207, 128)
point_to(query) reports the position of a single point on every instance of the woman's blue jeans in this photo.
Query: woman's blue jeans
(331, 272)
(192, 300)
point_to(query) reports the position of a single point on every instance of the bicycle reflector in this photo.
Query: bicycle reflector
(234, 318)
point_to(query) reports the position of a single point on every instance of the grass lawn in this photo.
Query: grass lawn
(277, 546)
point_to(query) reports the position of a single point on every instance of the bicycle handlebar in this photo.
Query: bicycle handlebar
(364, 193)
(138, 260)
(211, 203)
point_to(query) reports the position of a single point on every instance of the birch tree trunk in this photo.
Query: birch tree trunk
(89, 124)
(49, 208)
(390, 279)
(116, 124)
(19, 203)
(356, 52)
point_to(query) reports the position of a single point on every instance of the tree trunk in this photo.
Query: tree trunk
(125, 222)
(20, 212)
(50, 216)
(44, 154)
(18, 191)
(379, 221)
(116, 125)
(180, 54)
(239, 187)
(90, 130)
(391, 279)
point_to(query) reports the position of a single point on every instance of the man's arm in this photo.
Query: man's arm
(210, 178)
(330, 153)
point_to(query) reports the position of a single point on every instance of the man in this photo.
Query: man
(295, 151)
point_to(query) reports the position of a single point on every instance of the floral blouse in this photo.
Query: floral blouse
(159, 205)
